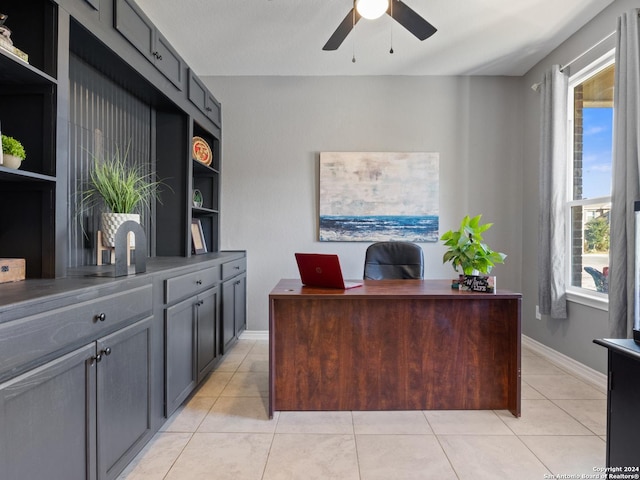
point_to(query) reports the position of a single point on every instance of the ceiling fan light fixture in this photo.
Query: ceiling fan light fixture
(372, 9)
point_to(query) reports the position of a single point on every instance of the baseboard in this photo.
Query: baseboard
(254, 335)
(568, 364)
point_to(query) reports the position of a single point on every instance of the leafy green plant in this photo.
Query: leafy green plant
(466, 249)
(122, 187)
(11, 146)
(596, 235)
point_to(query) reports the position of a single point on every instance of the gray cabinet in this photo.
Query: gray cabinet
(79, 416)
(202, 98)
(47, 420)
(191, 345)
(234, 295)
(134, 25)
(180, 338)
(191, 332)
(91, 366)
(123, 363)
(206, 325)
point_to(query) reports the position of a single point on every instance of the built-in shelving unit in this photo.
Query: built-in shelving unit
(206, 179)
(38, 217)
(28, 113)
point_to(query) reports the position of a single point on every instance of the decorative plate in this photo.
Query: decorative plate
(201, 151)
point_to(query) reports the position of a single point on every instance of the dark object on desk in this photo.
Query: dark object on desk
(322, 270)
(623, 399)
(393, 260)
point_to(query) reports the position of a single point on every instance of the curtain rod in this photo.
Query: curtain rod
(536, 85)
(563, 67)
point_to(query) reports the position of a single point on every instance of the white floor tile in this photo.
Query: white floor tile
(402, 457)
(480, 457)
(222, 456)
(395, 422)
(312, 457)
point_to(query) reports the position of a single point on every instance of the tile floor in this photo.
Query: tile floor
(223, 432)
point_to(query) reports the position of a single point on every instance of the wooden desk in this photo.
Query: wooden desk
(393, 345)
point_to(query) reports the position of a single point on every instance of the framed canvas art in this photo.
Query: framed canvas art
(379, 196)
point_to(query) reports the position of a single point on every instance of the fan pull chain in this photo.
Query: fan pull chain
(353, 18)
(391, 14)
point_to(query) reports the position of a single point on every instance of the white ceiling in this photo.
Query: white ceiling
(285, 37)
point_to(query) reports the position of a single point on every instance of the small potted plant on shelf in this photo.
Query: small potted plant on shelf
(12, 152)
(468, 253)
(124, 189)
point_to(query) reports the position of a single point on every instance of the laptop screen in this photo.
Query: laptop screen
(322, 270)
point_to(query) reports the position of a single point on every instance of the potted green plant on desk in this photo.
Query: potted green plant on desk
(468, 252)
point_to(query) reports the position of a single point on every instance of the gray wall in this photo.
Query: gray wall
(275, 127)
(573, 336)
(485, 128)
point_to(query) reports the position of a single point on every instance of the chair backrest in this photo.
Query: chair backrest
(393, 260)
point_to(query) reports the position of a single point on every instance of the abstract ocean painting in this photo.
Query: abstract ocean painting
(379, 196)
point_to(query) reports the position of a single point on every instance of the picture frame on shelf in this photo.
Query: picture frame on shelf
(198, 243)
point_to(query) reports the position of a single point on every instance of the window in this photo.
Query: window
(589, 192)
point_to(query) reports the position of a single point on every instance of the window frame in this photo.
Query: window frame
(575, 294)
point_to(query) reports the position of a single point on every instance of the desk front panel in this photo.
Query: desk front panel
(359, 353)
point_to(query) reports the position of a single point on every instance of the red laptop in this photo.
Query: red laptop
(322, 270)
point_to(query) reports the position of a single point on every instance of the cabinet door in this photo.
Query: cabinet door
(240, 304)
(46, 426)
(203, 99)
(228, 314)
(132, 24)
(168, 61)
(180, 338)
(234, 312)
(123, 396)
(207, 312)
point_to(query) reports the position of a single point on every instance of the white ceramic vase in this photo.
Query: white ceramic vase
(11, 161)
(109, 224)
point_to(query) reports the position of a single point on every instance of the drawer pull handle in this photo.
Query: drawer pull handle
(96, 359)
(198, 282)
(199, 303)
(106, 351)
(237, 267)
(101, 317)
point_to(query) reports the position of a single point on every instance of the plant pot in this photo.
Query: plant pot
(109, 224)
(11, 161)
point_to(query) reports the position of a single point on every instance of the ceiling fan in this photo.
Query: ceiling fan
(396, 9)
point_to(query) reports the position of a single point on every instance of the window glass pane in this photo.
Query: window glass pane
(590, 246)
(596, 154)
(592, 159)
(593, 133)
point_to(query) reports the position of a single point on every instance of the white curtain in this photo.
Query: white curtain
(553, 186)
(625, 188)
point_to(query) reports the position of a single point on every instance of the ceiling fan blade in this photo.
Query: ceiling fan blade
(411, 20)
(342, 31)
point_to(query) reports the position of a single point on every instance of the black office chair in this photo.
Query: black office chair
(393, 260)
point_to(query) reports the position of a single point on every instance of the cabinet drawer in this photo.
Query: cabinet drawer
(31, 339)
(231, 269)
(185, 285)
